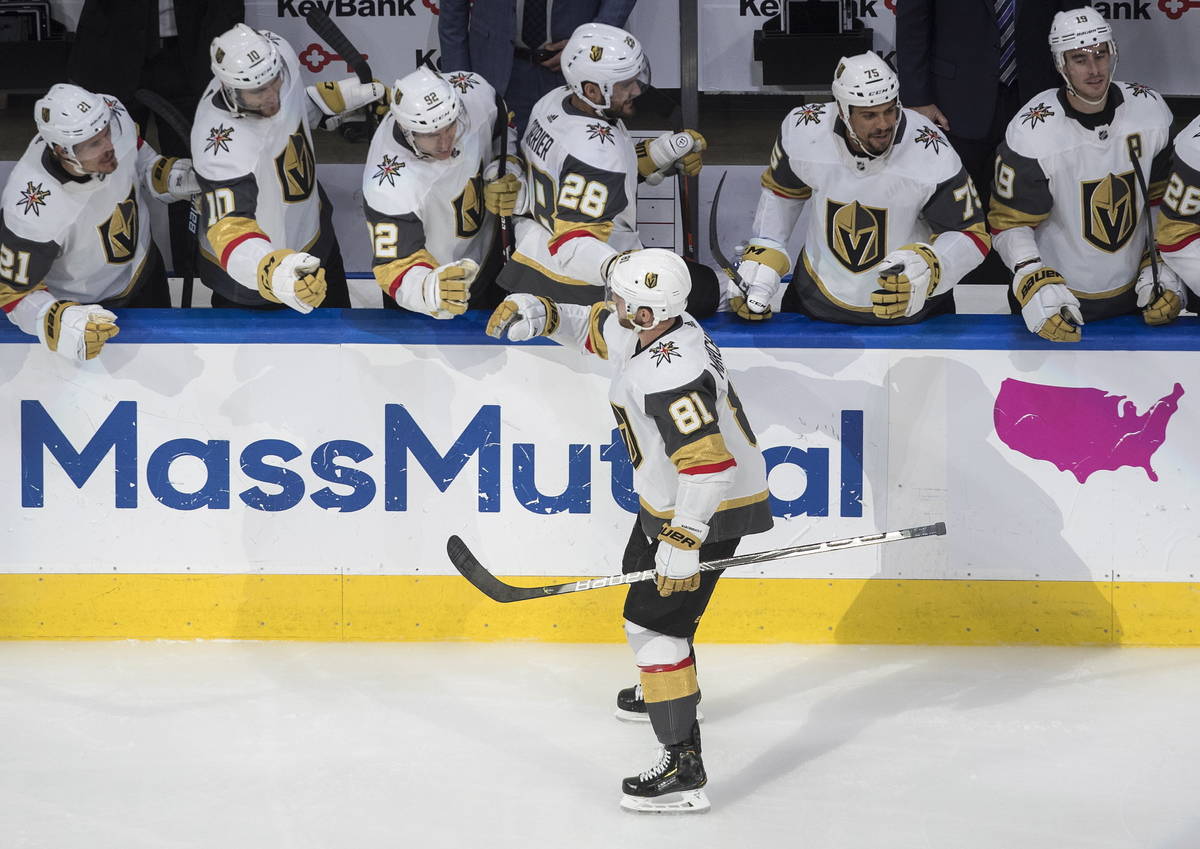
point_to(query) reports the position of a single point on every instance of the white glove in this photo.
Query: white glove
(505, 196)
(907, 277)
(1047, 305)
(677, 559)
(663, 153)
(446, 289)
(292, 278)
(77, 331)
(763, 263)
(182, 182)
(335, 97)
(1165, 308)
(520, 317)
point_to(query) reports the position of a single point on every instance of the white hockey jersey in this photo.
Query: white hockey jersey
(1075, 187)
(678, 414)
(1178, 234)
(83, 239)
(425, 212)
(258, 175)
(582, 177)
(864, 208)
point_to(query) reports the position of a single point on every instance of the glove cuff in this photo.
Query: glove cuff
(771, 257)
(684, 533)
(49, 326)
(1026, 286)
(266, 269)
(160, 174)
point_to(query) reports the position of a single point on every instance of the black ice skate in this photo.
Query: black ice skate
(631, 707)
(673, 785)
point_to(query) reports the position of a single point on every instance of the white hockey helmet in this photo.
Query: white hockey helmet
(653, 278)
(1078, 29)
(423, 102)
(68, 115)
(864, 80)
(244, 59)
(604, 55)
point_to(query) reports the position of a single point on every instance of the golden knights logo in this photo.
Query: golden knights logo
(297, 167)
(1109, 211)
(1139, 90)
(33, 198)
(604, 132)
(663, 352)
(931, 138)
(1036, 114)
(463, 81)
(856, 234)
(468, 209)
(810, 113)
(651, 280)
(119, 234)
(218, 139)
(596, 53)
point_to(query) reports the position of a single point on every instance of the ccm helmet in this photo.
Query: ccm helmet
(423, 102)
(604, 55)
(864, 80)
(244, 59)
(68, 115)
(653, 278)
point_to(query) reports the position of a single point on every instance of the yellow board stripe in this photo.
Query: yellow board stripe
(446, 607)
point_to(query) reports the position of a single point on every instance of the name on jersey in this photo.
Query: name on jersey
(185, 473)
(537, 140)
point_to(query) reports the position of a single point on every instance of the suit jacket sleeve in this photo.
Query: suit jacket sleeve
(453, 22)
(615, 12)
(914, 48)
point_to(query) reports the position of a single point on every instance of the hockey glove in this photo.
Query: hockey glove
(293, 279)
(671, 150)
(174, 177)
(447, 288)
(906, 278)
(763, 263)
(505, 196)
(1165, 308)
(336, 97)
(77, 331)
(1049, 308)
(677, 559)
(521, 317)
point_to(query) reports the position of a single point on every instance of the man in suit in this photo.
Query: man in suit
(515, 44)
(968, 65)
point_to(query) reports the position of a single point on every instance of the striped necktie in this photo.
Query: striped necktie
(1006, 20)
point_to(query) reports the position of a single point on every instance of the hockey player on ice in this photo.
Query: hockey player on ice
(75, 239)
(894, 220)
(269, 236)
(700, 478)
(1178, 234)
(432, 196)
(1066, 211)
(584, 170)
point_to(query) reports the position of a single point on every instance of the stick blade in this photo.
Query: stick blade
(470, 568)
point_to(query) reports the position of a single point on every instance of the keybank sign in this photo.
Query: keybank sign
(406, 450)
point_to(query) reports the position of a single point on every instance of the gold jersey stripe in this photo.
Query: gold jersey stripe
(9, 296)
(1172, 232)
(665, 686)
(541, 269)
(1004, 217)
(600, 230)
(731, 504)
(770, 183)
(386, 275)
(229, 229)
(707, 451)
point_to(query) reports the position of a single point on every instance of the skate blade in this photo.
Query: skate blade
(687, 802)
(633, 716)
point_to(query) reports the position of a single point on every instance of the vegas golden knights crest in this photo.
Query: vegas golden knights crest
(596, 53)
(651, 279)
(468, 209)
(297, 167)
(856, 234)
(119, 234)
(1109, 211)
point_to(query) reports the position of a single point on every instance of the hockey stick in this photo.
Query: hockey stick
(714, 244)
(166, 112)
(491, 586)
(505, 221)
(1151, 245)
(320, 23)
